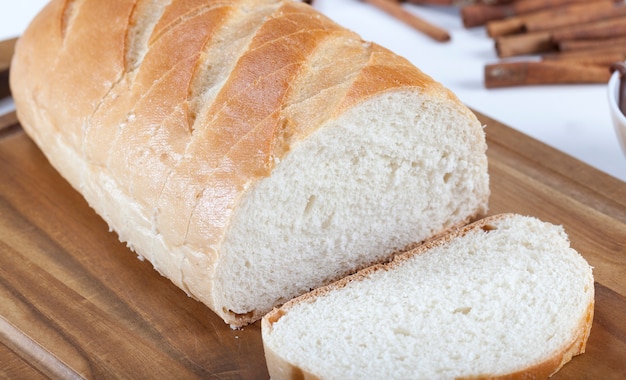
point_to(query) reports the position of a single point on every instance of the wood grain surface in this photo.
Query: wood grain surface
(76, 303)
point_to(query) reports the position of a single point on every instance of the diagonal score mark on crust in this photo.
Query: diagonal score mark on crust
(198, 7)
(74, 15)
(142, 22)
(135, 46)
(69, 13)
(220, 56)
(245, 89)
(326, 80)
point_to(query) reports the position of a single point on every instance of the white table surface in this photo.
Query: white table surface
(572, 118)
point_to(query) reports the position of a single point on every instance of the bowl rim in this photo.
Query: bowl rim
(619, 119)
(613, 97)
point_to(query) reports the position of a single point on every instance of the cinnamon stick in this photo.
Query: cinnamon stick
(585, 54)
(393, 8)
(518, 24)
(602, 29)
(480, 14)
(589, 15)
(522, 44)
(601, 56)
(603, 59)
(503, 27)
(592, 43)
(542, 73)
(458, 2)
(547, 41)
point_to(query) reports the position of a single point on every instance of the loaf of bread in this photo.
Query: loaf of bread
(251, 150)
(505, 297)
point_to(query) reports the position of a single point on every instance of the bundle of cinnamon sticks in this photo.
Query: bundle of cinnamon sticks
(553, 41)
(538, 41)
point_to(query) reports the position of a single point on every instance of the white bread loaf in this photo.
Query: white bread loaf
(251, 150)
(505, 297)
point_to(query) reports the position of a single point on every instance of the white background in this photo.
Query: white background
(572, 118)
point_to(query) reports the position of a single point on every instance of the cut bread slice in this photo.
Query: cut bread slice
(503, 296)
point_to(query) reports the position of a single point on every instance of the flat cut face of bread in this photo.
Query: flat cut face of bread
(507, 296)
(251, 150)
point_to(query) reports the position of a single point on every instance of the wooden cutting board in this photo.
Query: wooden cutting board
(75, 302)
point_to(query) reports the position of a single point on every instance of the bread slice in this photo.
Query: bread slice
(505, 296)
(251, 150)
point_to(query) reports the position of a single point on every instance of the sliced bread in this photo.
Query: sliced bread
(505, 296)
